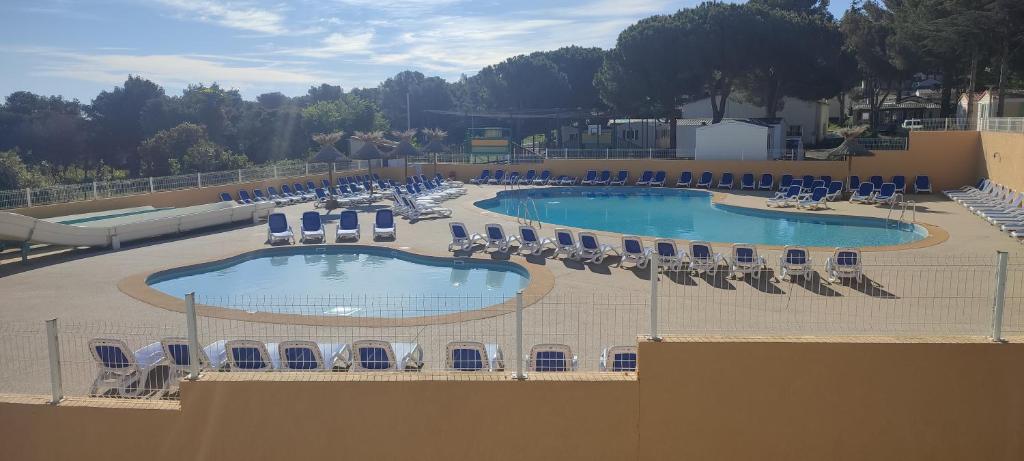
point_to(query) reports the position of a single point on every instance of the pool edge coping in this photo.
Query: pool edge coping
(541, 282)
(936, 234)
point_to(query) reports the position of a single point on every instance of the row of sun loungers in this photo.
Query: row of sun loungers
(126, 373)
(278, 229)
(995, 203)
(701, 258)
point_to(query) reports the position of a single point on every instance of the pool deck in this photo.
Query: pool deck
(81, 288)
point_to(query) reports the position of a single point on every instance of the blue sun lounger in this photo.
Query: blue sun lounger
(618, 359)
(767, 182)
(348, 226)
(706, 178)
(604, 178)
(726, 181)
(685, 179)
(374, 355)
(545, 176)
(589, 178)
(312, 227)
(384, 224)
(278, 229)
(314, 356)
(473, 356)
(123, 372)
(747, 182)
(249, 355)
(922, 185)
(243, 197)
(226, 197)
(645, 178)
(620, 178)
(551, 358)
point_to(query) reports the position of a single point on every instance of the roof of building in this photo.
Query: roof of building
(768, 122)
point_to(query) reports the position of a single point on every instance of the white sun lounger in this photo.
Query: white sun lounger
(794, 261)
(462, 239)
(592, 250)
(348, 226)
(123, 372)
(314, 356)
(530, 242)
(249, 355)
(496, 238)
(703, 258)
(375, 355)
(473, 356)
(565, 244)
(176, 350)
(551, 358)
(384, 224)
(278, 229)
(618, 359)
(633, 251)
(845, 263)
(745, 260)
(668, 254)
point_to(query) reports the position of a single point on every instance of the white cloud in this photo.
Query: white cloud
(235, 15)
(336, 44)
(169, 70)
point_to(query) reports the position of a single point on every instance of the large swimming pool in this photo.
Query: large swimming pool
(346, 280)
(690, 215)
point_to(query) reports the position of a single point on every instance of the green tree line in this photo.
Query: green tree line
(763, 51)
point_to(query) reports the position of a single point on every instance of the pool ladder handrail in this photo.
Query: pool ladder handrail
(898, 201)
(524, 207)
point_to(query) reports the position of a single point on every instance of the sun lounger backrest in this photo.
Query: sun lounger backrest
(785, 181)
(311, 221)
(632, 245)
(666, 248)
(922, 182)
(277, 222)
(621, 358)
(865, 189)
(373, 355)
(564, 237)
(807, 180)
(825, 178)
(225, 197)
(458, 230)
(588, 241)
(112, 354)
(301, 355)
(248, 355)
(385, 218)
(550, 357)
(796, 256)
(887, 189)
(835, 186)
(744, 254)
(659, 176)
(876, 181)
(726, 178)
(528, 234)
(819, 193)
(847, 257)
(705, 177)
(495, 232)
(466, 356)
(700, 250)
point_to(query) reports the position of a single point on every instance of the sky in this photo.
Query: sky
(77, 48)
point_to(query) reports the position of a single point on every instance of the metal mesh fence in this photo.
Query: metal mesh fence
(893, 295)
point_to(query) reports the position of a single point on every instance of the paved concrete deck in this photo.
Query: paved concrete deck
(912, 291)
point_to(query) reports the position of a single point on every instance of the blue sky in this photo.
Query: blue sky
(77, 48)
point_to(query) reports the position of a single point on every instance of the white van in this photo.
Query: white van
(913, 124)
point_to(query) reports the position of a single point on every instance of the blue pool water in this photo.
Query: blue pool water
(690, 215)
(344, 280)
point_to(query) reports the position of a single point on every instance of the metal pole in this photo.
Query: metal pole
(408, 112)
(199, 180)
(28, 196)
(1000, 296)
(95, 194)
(275, 171)
(654, 298)
(307, 169)
(56, 384)
(193, 336)
(519, 337)
(239, 175)
(151, 188)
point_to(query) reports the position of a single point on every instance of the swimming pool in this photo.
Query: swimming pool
(690, 215)
(346, 281)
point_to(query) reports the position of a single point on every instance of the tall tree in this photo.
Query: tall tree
(410, 94)
(869, 32)
(580, 66)
(116, 120)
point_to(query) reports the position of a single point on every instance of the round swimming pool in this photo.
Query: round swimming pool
(346, 281)
(689, 214)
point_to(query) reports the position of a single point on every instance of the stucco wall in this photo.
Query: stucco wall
(695, 399)
(1002, 158)
(813, 400)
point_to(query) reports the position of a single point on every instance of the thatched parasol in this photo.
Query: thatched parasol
(404, 149)
(369, 150)
(849, 149)
(328, 153)
(435, 146)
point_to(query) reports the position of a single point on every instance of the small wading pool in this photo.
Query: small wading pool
(689, 214)
(346, 281)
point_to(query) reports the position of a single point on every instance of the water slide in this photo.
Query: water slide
(115, 227)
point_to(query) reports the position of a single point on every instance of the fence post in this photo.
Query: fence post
(275, 171)
(199, 180)
(307, 169)
(151, 188)
(650, 153)
(519, 337)
(193, 336)
(56, 384)
(239, 175)
(654, 298)
(28, 196)
(1000, 297)
(95, 192)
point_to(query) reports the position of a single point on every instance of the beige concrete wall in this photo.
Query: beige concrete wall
(762, 400)
(695, 399)
(1002, 158)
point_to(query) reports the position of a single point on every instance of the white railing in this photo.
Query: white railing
(64, 193)
(1004, 124)
(612, 154)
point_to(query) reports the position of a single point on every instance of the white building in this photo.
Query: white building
(806, 119)
(986, 104)
(730, 140)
